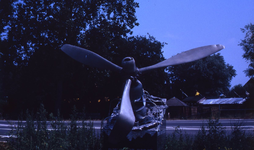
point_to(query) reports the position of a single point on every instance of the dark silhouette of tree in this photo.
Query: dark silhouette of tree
(209, 76)
(148, 51)
(247, 45)
(36, 70)
(249, 88)
(5, 12)
(145, 50)
(237, 91)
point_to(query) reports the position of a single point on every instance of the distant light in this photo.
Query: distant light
(99, 100)
(77, 99)
(90, 102)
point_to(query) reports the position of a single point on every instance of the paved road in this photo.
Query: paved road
(187, 126)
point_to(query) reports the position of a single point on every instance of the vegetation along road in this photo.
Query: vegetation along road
(187, 126)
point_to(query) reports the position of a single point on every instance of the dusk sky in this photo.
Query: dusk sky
(186, 24)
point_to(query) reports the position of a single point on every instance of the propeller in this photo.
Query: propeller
(129, 67)
(125, 119)
(89, 58)
(185, 57)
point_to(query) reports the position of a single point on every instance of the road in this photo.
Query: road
(187, 126)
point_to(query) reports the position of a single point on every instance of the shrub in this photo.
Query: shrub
(178, 141)
(211, 137)
(35, 134)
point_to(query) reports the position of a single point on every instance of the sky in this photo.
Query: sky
(187, 24)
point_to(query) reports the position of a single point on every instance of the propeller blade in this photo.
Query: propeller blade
(89, 58)
(187, 56)
(125, 119)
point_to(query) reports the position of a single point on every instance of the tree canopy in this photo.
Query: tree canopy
(238, 91)
(35, 70)
(209, 76)
(247, 45)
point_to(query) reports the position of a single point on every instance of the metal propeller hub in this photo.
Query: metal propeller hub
(129, 67)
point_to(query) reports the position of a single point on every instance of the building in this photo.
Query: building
(176, 108)
(223, 107)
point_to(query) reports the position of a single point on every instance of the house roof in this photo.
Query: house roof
(193, 98)
(250, 81)
(223, 101)
(175, 102)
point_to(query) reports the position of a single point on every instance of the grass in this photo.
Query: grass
(35, 136)
(211, 137)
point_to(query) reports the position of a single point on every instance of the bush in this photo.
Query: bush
(211, 137)
(239, 139)
(178, 141)
(35, 135)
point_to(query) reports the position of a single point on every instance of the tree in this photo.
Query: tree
(5, 12)
(37, 71)
(209, 76)
(247, 45)
(146, 51)
(249, 87)
(237, 91)
(35, 68)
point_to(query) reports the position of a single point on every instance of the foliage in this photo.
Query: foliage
(34, 135)
(249, 87)
(237, 91)
(5, 12)
(178, 141)
(247, 45)
(36, 71)
(211, 137)
(239, 138)
(209, 76)
(146, 51)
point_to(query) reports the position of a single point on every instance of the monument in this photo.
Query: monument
(139, 115)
